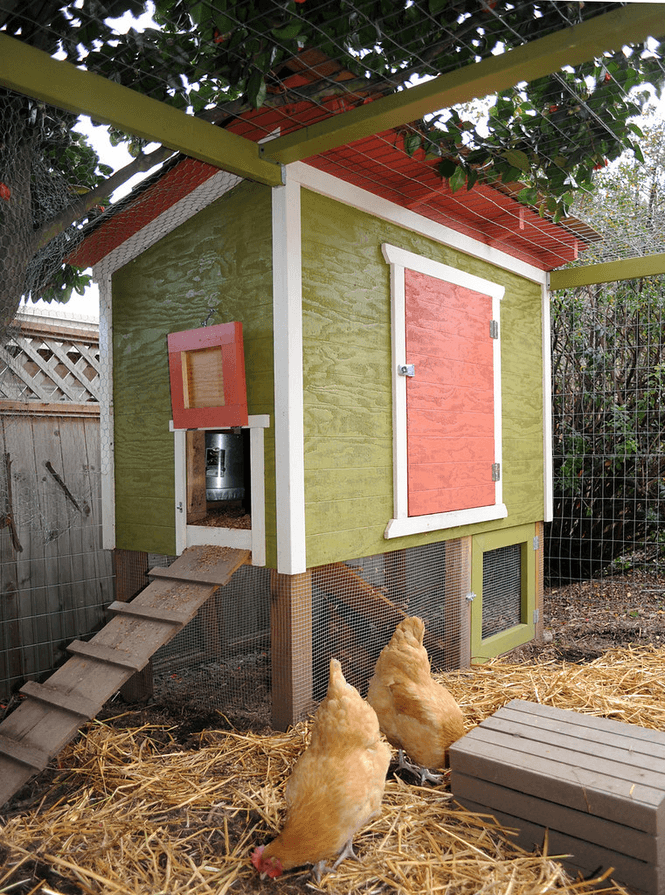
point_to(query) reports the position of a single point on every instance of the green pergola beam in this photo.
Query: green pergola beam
(535, 59)
(34, 73)
(608, 272)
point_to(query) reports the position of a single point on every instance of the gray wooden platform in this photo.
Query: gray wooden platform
(595, 785)
(52, 713)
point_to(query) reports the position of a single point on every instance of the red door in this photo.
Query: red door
(450, 400)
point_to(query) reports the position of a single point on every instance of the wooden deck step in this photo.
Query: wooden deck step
(26, 755)
(51, 713)
(112, 655)
(168, 616)
(68, 702)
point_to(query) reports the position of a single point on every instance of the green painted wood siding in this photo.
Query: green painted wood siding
(220, 258)
(348, 390)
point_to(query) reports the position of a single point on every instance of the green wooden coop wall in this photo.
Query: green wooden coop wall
(348, 391)
(220, 258)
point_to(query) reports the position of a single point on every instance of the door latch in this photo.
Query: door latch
(406, 370)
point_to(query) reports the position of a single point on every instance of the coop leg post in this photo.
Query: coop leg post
(130, 569)
(291, 647)
(540, 582)
(458, 608)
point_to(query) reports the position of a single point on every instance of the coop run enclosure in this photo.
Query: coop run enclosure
(224, 658)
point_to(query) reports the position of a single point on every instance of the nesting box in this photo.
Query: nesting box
(593, 787)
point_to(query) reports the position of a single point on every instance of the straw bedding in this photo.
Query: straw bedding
(129, 809)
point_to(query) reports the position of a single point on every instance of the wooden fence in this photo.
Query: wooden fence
(55, 579)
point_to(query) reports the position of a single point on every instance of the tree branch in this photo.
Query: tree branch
(81, 206)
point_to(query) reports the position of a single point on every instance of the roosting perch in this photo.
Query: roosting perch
(346, 585)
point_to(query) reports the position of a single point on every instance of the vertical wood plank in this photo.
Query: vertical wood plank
(291, 647)
(395, 570)
(11, 657)
(131, 576)
(458, 609)
(540, 580)
(196, 475)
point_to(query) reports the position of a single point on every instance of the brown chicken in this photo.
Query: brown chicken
(336, 785)
(417, 714)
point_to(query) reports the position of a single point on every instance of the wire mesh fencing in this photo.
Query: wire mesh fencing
(609, 445)
(225, 659)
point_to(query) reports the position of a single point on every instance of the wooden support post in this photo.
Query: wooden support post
(130, 569)
(291, 647)
(458, 608)
(196, 475)
(394, 564)
(540, 580)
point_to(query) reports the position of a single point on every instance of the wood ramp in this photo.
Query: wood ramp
(51, 713)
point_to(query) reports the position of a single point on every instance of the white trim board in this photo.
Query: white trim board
(334, 188)
(288, 372)
(548, 448)
(402, 524)
(106, 423)
(164, 223)
(253, 539)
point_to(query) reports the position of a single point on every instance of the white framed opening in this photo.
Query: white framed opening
(407, 519)
(254, 538)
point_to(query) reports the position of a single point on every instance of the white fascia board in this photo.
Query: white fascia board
(168, 220)
(288, 371)
(107, 454)
(334, 188)
(548, 446)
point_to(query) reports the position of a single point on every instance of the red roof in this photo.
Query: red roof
(379, 165)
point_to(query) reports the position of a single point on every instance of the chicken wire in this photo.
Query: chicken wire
(608, 380)
(306, 85)
(224, 659)
(502, 589)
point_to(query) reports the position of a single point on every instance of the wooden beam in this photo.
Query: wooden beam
(34, 73)
(535, 59)
(291, 647)
(608, 272)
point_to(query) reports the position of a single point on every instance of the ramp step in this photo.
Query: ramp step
(52, 712)
(109, 654)
(168, 616)
(23, 753)
(68, 702)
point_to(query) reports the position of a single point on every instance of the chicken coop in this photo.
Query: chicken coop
(393, 455)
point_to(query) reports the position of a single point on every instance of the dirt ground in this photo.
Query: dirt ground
(583, 620)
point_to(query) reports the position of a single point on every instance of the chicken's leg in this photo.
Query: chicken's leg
(424, 773)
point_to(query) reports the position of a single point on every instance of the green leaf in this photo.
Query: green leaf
(256, 89)
(199, 12)
(288, 32)
(518, 159)
(457, 180)
(528, 195)
(447, 168)
(412, 142)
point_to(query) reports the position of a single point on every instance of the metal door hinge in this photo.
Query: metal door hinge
(536, 542)
(494, 329)
(496, 472)
(406, 370)
(536, 616)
